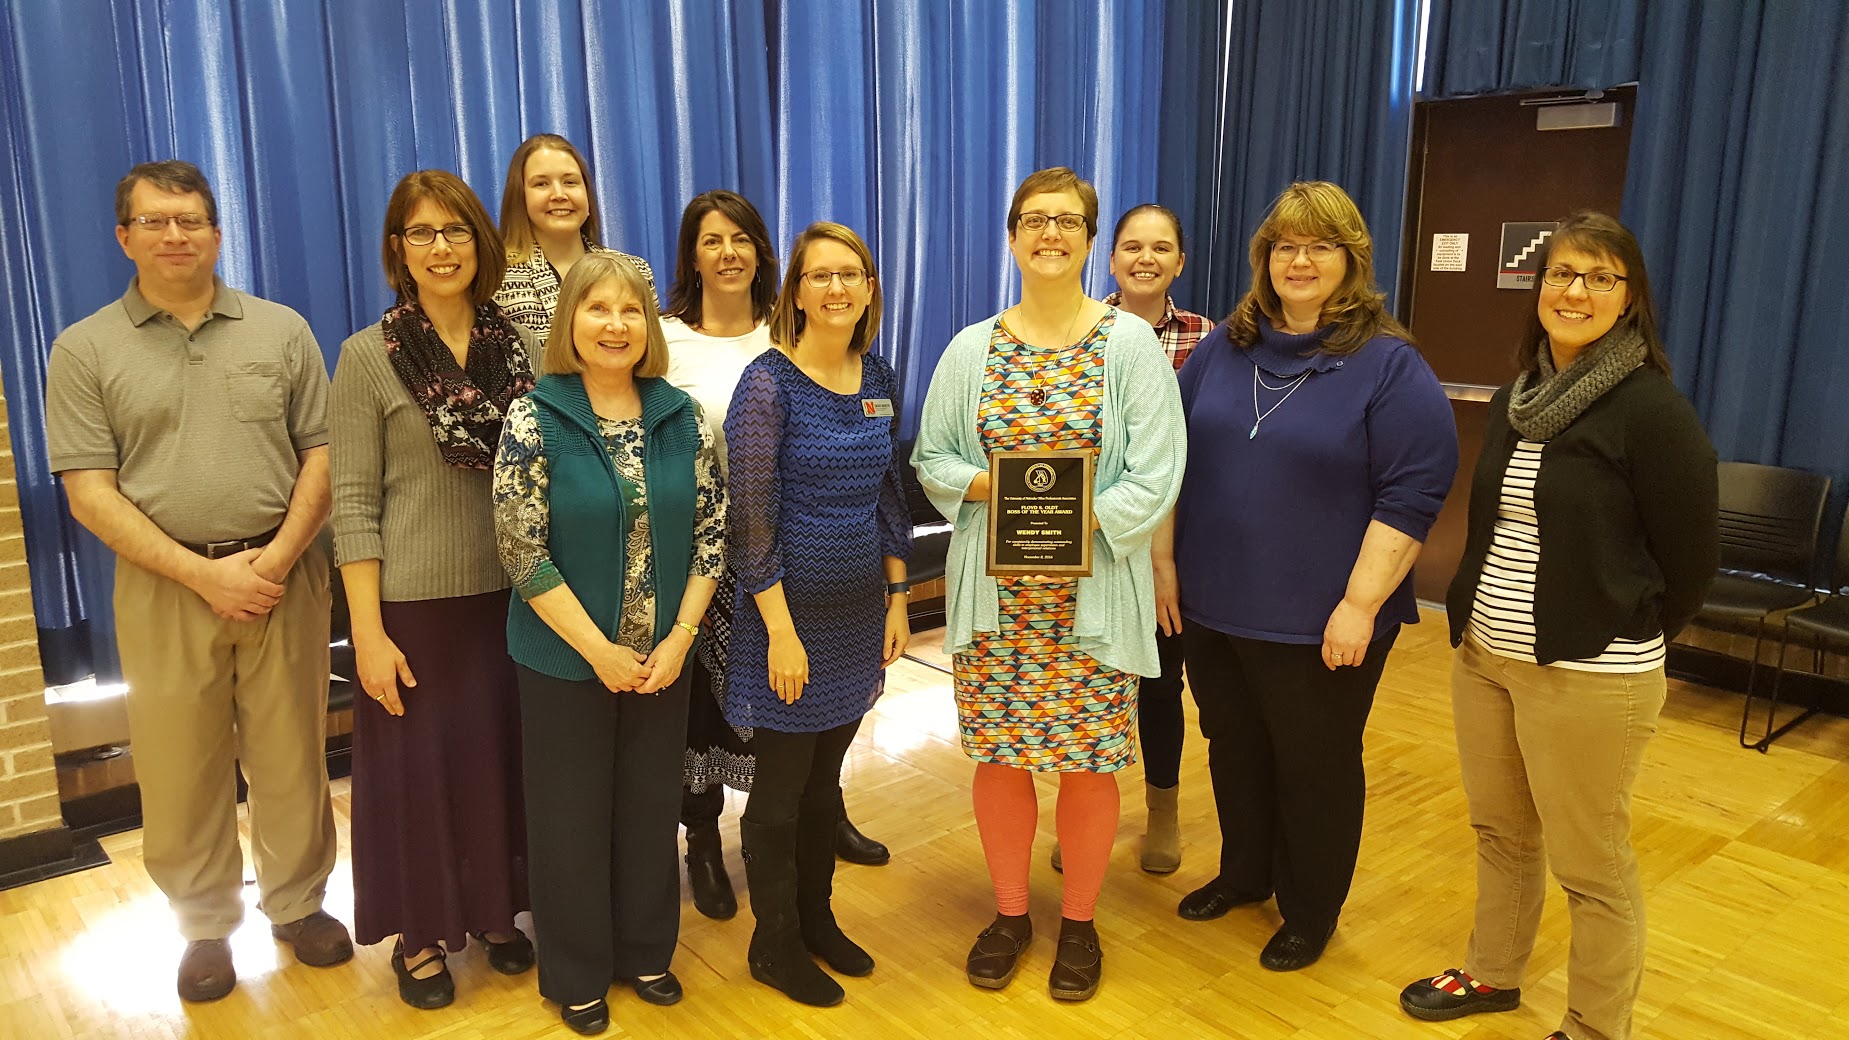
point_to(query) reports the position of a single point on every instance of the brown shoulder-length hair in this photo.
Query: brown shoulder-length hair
(1051, 179)
(561, 355)
(787, 318)
(686, 300)
(1605, 238)
(446, 190)
(1357, 309)
(516, 226)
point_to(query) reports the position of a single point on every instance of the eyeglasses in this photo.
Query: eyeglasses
(423, 234)
(1597, 281)
(1318, 252)
(822, 279)
(1067, 222)
(159, 221)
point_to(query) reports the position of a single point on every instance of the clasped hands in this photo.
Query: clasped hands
(623, 670)
(241, 587)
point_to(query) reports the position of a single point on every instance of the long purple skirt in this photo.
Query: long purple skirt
(439, 825)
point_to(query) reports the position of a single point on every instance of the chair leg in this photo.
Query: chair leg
(1764, 744)
(1752, 672)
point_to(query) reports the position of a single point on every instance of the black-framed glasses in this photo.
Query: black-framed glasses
(822, 279)
(1067, 222)
(158, 221)
(1318, 252)
(1597, 281)
(424, 234)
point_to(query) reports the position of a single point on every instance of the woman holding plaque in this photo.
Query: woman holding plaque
(819, 534)
(1295, 537)
(1046, 666)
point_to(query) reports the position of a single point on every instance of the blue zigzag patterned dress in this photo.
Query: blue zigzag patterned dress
(815, 500)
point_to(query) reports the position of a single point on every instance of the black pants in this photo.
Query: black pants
(1284, 750)
(1160, 725)
(794, 767)
(603, 785)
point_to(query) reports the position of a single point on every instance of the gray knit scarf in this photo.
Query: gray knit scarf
(1545, 403)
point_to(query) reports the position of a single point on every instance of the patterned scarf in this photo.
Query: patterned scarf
(465, 407)
(1541, 405)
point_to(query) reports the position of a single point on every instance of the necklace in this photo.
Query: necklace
(1036, 394)
(1292, 385)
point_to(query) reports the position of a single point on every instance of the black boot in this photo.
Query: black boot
(855, 847)
(777, 956)
(815, 885)
(712, 886)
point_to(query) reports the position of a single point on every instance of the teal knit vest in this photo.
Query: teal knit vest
(588, 524)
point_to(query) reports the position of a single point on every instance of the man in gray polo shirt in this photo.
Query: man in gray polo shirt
(188, 421)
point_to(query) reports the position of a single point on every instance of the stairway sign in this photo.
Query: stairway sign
(1520, 259)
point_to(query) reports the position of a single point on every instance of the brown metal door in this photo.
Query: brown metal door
(1479, 163)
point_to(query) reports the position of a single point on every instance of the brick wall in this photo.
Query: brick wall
(28, 781)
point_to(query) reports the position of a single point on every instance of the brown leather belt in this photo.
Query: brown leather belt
(220, 550)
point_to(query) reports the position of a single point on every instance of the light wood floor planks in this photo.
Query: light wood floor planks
(1746, 858)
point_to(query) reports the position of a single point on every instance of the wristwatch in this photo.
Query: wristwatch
(897, 587)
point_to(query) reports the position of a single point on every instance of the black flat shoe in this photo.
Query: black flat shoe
(855, 847)
(513, 957)
(661, 992)
(1430, 1001)
(1290, 949)
(1213, 900)
(587, 1021)
(992, 961)
(426, 994)
(1078, 964)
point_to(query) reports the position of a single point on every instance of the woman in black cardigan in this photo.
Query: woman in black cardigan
(1593, 535)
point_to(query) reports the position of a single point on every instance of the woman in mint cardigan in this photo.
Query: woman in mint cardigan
(610, 518)
(1046, 668)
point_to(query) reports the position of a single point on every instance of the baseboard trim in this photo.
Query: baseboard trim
(49, 853)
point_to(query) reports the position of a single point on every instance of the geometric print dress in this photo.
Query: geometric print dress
(1027, 696)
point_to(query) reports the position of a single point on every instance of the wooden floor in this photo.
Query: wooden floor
(1745, 857)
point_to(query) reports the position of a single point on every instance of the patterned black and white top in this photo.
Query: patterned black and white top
(1502, 617)
(529, 291)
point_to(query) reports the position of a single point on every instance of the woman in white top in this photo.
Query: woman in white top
(549, 222)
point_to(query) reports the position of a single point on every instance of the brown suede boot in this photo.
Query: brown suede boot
(1162, 841)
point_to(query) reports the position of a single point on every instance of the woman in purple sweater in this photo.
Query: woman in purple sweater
(1321, 448)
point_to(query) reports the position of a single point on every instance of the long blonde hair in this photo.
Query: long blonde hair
(1357, 308)
(516, 226)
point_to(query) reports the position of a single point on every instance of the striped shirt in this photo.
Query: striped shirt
(1502, 618)
(1178, 331)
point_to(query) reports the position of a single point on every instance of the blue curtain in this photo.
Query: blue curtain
(303, 115)
(1495, 46)
(1311, 90)
(911, 122)
(1739, 190)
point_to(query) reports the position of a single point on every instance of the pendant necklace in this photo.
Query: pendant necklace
(1036, 395)
(1291, 386)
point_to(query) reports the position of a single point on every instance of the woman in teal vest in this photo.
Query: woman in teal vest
(610, 518)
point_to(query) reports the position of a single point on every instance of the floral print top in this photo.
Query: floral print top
(522, 518)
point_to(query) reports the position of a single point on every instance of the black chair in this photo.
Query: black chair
(1822, 624)
(930, 531)
(1769, 516)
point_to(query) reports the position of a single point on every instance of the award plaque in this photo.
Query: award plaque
(1040, 512)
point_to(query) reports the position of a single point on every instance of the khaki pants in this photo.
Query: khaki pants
(1553, 752)
(205, 696)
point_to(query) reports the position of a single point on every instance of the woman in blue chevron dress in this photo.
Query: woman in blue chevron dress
(819, 533)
